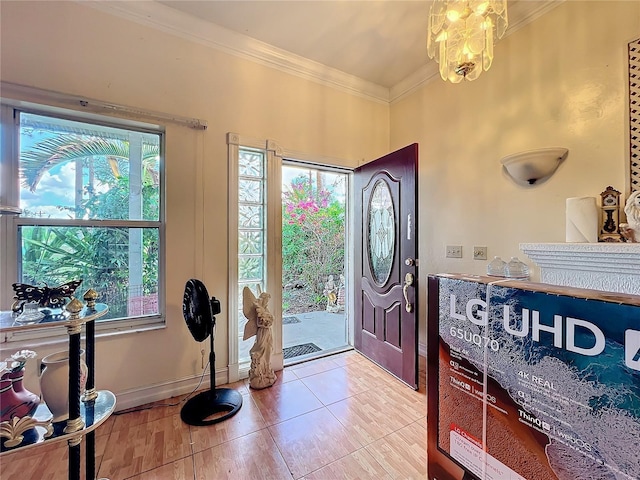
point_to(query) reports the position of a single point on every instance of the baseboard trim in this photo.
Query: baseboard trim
(162, 391)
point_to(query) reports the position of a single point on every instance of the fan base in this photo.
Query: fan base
(223, 401)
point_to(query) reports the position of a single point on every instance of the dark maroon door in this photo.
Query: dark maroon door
(386, 212)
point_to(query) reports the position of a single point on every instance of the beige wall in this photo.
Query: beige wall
(71, 48)
(559, 81)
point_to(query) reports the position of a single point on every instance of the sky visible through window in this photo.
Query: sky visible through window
(49, 190)
(56, 187)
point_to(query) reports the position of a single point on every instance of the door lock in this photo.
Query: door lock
(408, 281)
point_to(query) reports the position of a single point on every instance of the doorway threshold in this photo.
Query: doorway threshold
(288, 362)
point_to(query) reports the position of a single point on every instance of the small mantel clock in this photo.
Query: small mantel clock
(610, 218)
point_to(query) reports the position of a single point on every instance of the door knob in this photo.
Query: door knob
(408, 281)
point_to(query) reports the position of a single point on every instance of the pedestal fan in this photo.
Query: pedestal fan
(218, 403)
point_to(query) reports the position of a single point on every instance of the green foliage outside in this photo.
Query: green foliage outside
(312, 244)
(98, 255)
(312, 233)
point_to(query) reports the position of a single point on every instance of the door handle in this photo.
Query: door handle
(408, 281)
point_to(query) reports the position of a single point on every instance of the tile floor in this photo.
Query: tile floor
(339, 417)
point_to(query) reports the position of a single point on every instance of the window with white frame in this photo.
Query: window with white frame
(82, 199)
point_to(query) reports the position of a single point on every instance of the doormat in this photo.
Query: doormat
(291, 319)
(297, 350)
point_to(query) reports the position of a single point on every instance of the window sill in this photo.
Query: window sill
(104, 329)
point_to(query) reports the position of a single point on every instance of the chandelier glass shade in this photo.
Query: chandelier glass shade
(461, 36)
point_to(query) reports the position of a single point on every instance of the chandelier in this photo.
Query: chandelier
(461, 36)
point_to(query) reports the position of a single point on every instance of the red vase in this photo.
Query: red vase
(15, 400)
(8, 400)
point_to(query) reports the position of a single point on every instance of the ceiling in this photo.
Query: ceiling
(379, 41)
(377, 47)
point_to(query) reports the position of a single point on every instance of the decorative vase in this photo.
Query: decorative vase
(8, 400)
(517, 269)
(54, 383)
(497, 267)
(22, 402)
(30, 314)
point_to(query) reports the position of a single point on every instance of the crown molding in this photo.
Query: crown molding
(414, 81)
(524, 12)
(177, 23)
(171, 21)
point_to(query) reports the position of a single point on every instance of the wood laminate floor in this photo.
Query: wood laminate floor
(339, 417)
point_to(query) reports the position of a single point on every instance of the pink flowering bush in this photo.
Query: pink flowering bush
(312, 241)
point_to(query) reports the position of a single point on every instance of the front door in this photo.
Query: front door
(386, 303)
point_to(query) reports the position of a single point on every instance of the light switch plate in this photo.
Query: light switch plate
(479, 253)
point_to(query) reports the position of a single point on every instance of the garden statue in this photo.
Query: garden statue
(631, 229)
(261, 375)
(341, 290)
(331, 292)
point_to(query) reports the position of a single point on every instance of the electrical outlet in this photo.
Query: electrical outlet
(479, 253)
(454, 251)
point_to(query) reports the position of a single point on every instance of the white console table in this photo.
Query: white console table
(611, 267)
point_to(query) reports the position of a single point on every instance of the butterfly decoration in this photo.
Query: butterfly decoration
(46, 297)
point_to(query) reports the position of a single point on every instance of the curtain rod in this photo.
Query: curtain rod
(8, 88)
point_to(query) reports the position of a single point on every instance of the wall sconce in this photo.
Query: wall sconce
(534, 166)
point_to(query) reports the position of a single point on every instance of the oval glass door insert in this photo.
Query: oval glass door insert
(381, 232)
